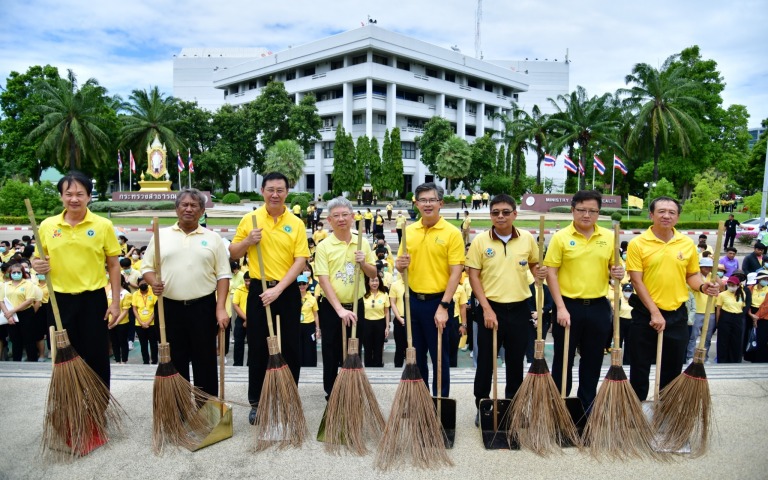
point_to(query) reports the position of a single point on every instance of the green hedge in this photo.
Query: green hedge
(14, 220)
(253, 196)
(643, 224)
(449, 199)
(231, 198)
(130, 206)
(328, 196)
(302, 201)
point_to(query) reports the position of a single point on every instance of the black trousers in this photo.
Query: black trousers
(149, 339)
(82, 316)
(401, 342)
(513, 336)
(288, 307)
(730, 331)
(24, 335)
(761, 353)
(191, 332)
(330, 330)
(399, 235)
(118, 335)
(642, 345)
(590, 325)
(367, 226)
(238, 352)
(308, 345)
(453, 340)
(729, 238)
(374, 342)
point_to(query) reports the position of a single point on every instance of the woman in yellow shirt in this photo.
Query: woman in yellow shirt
(376, 321)
(41, 307)
(118, 327)
(729, 316)
(21, 316)
(396, 297)
(400, 222)
(310, 324)
(143, 303)
(368, 217)
(240, 305)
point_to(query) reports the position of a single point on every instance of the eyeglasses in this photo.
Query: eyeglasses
(428, 201)
(272, 191)
(501, 213)
(337, 216)
(584, 211)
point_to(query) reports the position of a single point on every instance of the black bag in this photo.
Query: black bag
(752, 341)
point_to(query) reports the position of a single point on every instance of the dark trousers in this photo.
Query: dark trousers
(148, 339)
(330, 329)
(389, 215)
(191, 332)
(367, 226)
(373, 340)
(624, 324)
(239, 349)
(308, 345)
(730, 330)
(399, 235)
(729, 238)
(118, 335)
(513, 320)
(288, 307)
(453, 341)
(761, 353)
(24, 335)
(590, 325)
(642, 342)
(82, 316)
(401, 342)
(424, 334)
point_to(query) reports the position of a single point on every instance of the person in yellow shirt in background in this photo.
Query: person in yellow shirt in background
(625, 317)
(455, 336)
(310, 211)
(42, 306)
(143, 303)
(20, 291)
(240, 306)
(400, 223)
(310, 324)
(376, 323)
(118, 326)
(485, 196)
(465, 226)
(729, 315)
(396, 296)
(6, 252)
(389, 211)
(700, 300)
(296, 209)
(368, 217)
(320, 233)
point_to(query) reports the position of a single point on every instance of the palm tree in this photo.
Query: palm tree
(516, 145)
(73, 122)
(287, 157)
(534, 129)
(149, 114)
(659, 99)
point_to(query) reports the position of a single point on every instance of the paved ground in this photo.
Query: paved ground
(738, 449)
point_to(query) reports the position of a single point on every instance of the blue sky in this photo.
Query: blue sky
(127, 45)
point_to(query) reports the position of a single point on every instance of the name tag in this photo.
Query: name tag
(145, 312)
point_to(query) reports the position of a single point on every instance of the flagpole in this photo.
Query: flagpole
(613, 173)
(593, 176)
(119, 173)
(189, 161)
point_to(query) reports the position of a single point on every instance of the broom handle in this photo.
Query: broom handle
(616, 288)
(263, 279)
(657, 378)
(711, 300)
(495, 379)
(279, 337)
(407, 297)
(439, 370)
(356, 290)
(221, 367)
(38, 243)
(540, 284)
(566, 349)
(158, 274)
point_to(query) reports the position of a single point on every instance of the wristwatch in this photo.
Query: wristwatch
(445, 305)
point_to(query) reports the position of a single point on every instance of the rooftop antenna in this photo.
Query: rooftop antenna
(478, 19)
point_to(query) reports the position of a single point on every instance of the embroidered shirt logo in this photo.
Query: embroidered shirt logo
(204, 243)
(489, 252)
(572, 243)
(90, 233)
(287, 229)
(57, 233)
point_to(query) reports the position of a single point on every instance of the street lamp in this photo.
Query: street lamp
(649, 186)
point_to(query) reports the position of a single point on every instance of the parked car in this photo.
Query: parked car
(752, 225)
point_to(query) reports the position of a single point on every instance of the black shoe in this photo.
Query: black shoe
(252, 415)
(477, 419)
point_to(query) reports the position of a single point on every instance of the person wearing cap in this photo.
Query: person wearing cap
(310, 324)
(700, 301)
(661, 261)
(703, 247)
(729, 315)
(754, 261)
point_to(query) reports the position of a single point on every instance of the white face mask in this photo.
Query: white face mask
(732, 288)
(627, 294)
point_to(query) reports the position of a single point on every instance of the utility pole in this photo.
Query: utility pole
(478, 19)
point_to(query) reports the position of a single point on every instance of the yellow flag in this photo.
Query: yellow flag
(633, 201)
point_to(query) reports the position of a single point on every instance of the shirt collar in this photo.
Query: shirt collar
(572, 230)
(262, 212)
(441, 223)
(199, 229)
(495, 236)
(648, 234)
(88, 217)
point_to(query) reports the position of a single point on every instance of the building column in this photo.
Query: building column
(346, 107)
(440, 107)
(461, 117)
(369, 107)
(391, 106)
(299, 96)
(480, 120)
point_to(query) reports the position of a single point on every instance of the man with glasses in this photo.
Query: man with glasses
(284, 247)
(335, 261)
(435, 261)
(580, 262)
(498, 262)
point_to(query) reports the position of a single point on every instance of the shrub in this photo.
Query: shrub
(616, 216)
(560, 209)
(302, 201)
(253, 196)
(449, 199)
(746, 238)
(328, 196)
(409, 196)
(231, 198)
(293, 195)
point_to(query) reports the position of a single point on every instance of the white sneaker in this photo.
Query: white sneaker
(225, 360)
(130, 346)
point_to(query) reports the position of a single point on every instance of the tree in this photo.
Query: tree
(216, 167)
(702, 201)
(535, 129)
(287, 157)
(516, 143)
(483, 153)
(344, 169)
(454, 160)
(73, 123)
(378, 181)
(392, 161)
(495, 184)
(663, 188)
(755, 168)
(304, 122)
(436, 131)
(660, 98)
(501, 159)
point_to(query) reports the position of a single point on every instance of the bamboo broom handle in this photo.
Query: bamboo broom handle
(616, 288)
(439, 372)
(356, 289)
(158, 274)
(657, 377)
(221, 368)
(260, 259)
(711, 300)
(566, 350)
(51, 295)
(540, 284)
(407, 297)
(495, 379)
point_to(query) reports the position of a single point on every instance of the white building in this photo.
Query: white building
(369, 80)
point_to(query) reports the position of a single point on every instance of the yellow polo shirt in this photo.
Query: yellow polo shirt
(700, 299)
(281, 242)
(145, 305)
(308, 307)
(459, 298)
(358, 217)
(240, 298)
(376, 305)
(18, 294)
(78, 254)
(319, 235)
(192, 264)
(296, 210)
(43, 296)
(664, 265)
(335, 259)
(400, 222)
(433, 252)
(466, 223)
(396, 294)
(368, 215)
(379, 220)
(728, 303)
(583, 265)
(758, 295)
(389, 207)
(504, 268)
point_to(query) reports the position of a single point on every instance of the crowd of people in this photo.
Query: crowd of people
(464, 291)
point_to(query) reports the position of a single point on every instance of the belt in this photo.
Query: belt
(585, 301)
(426, 297)
(191, 301)
(507, 306)
(270, 283)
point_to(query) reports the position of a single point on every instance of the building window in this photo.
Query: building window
(380, 60)
(429, 178)
(382, 120)
(290, 76)
(450, 77)
(309, 153)
(488, 87)
(335, 65)
(328, 149)
(471, 82)
(404, 65)
(450, 104)
(415, 122)
(432, 73)
(252, 85)
(470, 130)
(329, 179)
(308, 72)
(409, 150)
(328, 122)
(358, 119)
(359, 59)
(310, 181)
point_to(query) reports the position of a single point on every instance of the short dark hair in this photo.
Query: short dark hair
(503, 198)
(191, 192)
(75, 177)
(584, 195)
(652, 207)
(731, 249)
(125, 262)
(274, 176)
(426, 187)
(247, 276)
(702, 236)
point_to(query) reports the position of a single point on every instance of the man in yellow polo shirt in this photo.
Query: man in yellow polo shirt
(661, 262)
(77, 244)
(400, 223)
(285, 251)
(580, 262)
(389, 211)
(320, 233)
(435, 260)
(465, 226)
(335, 261)
(498, 263)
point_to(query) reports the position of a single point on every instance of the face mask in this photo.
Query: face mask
(385, 269)
(143, 287)
(764, 283)
(2, 249)
(40, 276)
(135, 257)
(627, 294)
(624, 256)
(127, 271)
(720, 274)
(16, 276)
(732, 288)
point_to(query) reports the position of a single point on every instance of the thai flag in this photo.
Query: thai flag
(618, 164)
(549, 160)
(119, 162)
(133, 162)
(581, 168)
(180, 162)
(189, 161)
(599, 165)
(569, 165)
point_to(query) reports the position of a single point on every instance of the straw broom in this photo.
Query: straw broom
(175, 417)
(279, 418)
(79, 410)
(413, 427)
(352, 401)
(684, 411)
(617, 426)
(539, 420)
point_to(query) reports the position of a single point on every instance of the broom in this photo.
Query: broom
(617, 425)
(352, 401)
(175, 418)
(79, 409)
(279, 418)
(539, 419)
(413, 427)
(684, 412)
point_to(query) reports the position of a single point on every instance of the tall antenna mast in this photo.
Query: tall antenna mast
(478, 19)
